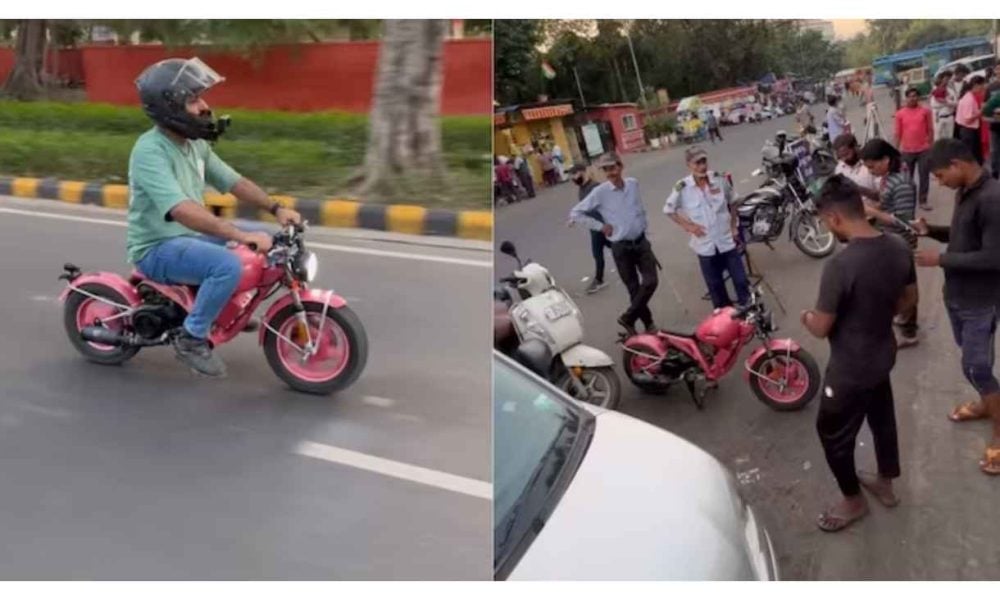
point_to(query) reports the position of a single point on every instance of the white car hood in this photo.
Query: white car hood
(644, 505)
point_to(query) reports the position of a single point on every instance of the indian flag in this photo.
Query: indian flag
(547, 70)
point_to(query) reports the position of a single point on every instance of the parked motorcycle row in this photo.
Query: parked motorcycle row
(538, 324)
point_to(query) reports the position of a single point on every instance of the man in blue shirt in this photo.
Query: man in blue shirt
(618, 202)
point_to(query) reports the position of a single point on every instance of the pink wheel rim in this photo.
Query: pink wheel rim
(90, 311)
(333, 351)
(787, 369)
(639, 364)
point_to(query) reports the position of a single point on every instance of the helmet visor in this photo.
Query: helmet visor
(196, 77)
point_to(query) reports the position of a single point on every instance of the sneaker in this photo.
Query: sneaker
(651, 327)
(903, 341)
(197, 354)
(595, 286)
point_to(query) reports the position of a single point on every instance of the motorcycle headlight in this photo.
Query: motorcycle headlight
(310, 265)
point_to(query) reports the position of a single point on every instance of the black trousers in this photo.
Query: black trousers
(713, 132)
(637, 266)
(915, 161)
(972, 140)
(842, 410)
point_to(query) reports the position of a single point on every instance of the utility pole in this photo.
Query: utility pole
(635, 63)
(993, 41)
(579, 88)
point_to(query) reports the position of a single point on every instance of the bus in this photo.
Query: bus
(938, 55)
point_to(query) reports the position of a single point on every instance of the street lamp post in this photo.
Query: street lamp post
(635, 63)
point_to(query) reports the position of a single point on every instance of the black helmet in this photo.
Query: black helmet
(165, 88)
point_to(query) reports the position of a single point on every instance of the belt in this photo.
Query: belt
(632, 243)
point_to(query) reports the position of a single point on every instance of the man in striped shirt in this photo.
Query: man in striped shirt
(897, 202)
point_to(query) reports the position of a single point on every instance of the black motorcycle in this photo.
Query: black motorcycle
(784, 197)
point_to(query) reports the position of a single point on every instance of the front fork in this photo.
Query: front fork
(769, 353)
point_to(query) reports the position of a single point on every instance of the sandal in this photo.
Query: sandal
(967, 412)
(990, 463)
(870, 481)
(830, 522)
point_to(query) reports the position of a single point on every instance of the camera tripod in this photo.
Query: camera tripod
(873, 123)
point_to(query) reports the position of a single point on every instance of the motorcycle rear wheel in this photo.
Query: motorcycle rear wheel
(602, 380)
(80, 311)
(630, 366)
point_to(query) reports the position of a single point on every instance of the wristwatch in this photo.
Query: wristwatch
(274, 208)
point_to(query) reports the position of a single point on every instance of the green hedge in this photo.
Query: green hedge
(298, 154)
(348, 131)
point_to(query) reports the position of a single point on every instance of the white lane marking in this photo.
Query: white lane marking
(406, 255)
(57, 413)
(378, 401)
(333, 247)
(399, 470)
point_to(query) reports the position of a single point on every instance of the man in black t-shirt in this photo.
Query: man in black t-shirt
(862, 289)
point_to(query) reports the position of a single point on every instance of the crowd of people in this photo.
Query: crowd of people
(513, 179)
(966, 108)
(869, 289)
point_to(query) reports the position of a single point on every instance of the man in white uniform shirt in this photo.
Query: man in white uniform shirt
(703, 205)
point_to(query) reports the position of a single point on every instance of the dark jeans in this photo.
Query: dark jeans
(527, 182)
(972, 140)
(713, 132)
(918, 161)
(995, 153)
(635, 260)
(975, 330)
(842, 410)
(597, 245)
(713, 269)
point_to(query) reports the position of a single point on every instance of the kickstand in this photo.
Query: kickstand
(698, 396)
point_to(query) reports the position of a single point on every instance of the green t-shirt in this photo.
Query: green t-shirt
(162, 174)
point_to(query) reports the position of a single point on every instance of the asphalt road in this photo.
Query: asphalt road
(945, 527)
(146, 471)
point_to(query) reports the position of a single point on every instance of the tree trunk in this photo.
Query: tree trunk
(25, 79)
(405, 137)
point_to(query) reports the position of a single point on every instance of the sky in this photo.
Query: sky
(844, 29)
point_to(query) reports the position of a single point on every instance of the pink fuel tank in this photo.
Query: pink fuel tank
(720, 329)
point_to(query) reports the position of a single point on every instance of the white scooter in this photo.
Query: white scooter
(542, 311)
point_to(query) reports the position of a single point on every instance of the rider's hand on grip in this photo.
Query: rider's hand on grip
(257, 241)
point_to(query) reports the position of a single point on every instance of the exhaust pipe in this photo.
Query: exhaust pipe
(102, 335)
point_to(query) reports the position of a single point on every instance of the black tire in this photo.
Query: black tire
(812, 369)
(614, 395)
(649, 388)
(800, 221)
(356, 337)
(115, 356)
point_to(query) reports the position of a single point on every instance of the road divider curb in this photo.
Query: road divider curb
(330, 212)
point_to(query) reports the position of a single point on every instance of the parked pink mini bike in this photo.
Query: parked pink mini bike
(781, 374)
(311, 339)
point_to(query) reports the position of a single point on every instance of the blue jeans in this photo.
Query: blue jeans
(199, 260)
(713, 269)
(975, 330)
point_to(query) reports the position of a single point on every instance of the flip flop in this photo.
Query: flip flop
(990, 463)
(830, 522)
(966, 412)
(869, 482)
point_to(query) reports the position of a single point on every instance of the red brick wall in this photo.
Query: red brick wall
(305, 77)
(70, 64)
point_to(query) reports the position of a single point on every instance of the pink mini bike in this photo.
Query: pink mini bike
(780, 373)
(311, 339)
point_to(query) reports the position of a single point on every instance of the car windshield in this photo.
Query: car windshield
(533, 433)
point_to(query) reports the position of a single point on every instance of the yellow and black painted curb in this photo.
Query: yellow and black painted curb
(331, 212)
